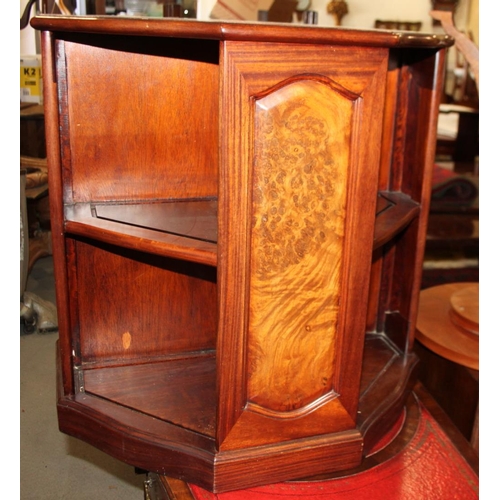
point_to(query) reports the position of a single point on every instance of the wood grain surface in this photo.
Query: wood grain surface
(437, 331)
(299, 203)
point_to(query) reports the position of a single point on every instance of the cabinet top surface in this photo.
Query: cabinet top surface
(231, 30)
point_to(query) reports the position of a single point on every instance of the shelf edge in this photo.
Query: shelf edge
(394, 218)
(144, 240)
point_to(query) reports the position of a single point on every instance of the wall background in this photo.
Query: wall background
(473, 24)
(27, 41)
(362, 13)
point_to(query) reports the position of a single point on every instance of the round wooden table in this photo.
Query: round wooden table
(448, 322)
(448, 325)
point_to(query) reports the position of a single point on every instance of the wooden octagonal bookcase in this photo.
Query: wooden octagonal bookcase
(238, 214)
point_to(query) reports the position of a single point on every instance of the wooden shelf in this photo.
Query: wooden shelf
(386, 379)
(193, 219)
(185, 230)
(168, 396)
(188, 229)
(394, 212)
(181, 391)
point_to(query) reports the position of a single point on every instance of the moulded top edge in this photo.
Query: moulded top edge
(238, 30)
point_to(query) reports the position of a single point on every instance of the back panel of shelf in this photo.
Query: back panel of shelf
(133, 307)
(139, 117)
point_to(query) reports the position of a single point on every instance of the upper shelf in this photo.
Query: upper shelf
(194, 219)
(185, 230)
(188, 229)
(394, 212)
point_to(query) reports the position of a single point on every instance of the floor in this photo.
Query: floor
(55, 466)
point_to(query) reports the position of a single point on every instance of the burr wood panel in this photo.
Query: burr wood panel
(302, 133)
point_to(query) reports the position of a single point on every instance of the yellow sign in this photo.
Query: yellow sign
(31, 80)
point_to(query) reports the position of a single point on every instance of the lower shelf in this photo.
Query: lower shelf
(388, 377)
(161, 417)
(181, 392)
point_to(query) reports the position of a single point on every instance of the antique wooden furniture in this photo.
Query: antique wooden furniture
(448, 347)
(239, 215)
(448, 322)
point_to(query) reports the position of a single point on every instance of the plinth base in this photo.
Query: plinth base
(423, 456)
